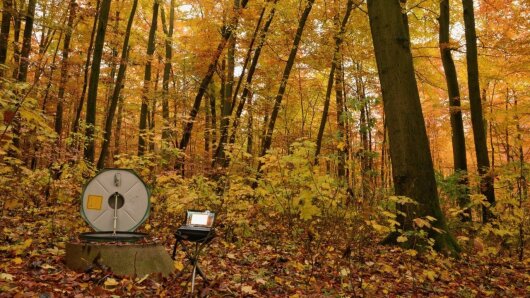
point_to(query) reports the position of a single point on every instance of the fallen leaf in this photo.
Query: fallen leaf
(6, 277)
(248, 290)
(111, 282)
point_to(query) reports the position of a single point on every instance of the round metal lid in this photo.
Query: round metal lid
(115, 187)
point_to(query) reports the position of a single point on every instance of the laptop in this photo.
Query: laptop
(198, 225)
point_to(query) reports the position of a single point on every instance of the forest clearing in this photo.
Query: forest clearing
(301, 148)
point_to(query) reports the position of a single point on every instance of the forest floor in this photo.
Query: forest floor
(270, 263)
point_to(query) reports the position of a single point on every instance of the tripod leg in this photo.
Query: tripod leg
(193, 276)
(174, 250)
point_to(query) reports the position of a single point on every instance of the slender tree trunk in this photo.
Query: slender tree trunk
(75, 124)
(4, 31)
(117, 144)
(90, 147)
(26, 42)
(166, 129)
(146, 96)
(17, 16)
(455, 111)
(339, 37)
(64, 71)
(247, 93)
(267, 141)
(339, 99)
(412, 165)
(151, 120)
(207, 129)
(250, 127)
(107, 134)
(248, 56)
(477, 120)
(226, 103)
(213, 114)
(226, 33)
(23, 65)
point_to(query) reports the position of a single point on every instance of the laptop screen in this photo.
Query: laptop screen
(199, 218)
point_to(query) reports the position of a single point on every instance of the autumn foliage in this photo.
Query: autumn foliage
(202, 102)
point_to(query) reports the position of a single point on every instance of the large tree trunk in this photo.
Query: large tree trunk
(166, 129)
(412, 166)
(146, 96)
(455, 111)
(64, 71)
(226, 33)
(79, 109)
(4, 31)
(477, 120)
(339, 37)
(107, 134)
(267, 141)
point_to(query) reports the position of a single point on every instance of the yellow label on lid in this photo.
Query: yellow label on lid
(94, 202)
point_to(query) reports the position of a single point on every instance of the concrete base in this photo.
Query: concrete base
(123, 259)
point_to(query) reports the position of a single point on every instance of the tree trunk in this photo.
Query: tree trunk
(339, 99)
(339, 37)
(247, 93)
(412, 166)
(455, 111)
(213, 114)
(94, 81)
(248, 56)
(166, 129)
(267, 141)
(22, 72)
(107, 134)
(364, 129)
(147, 82)
(75, 124)
(17, 24)
(226, 103)
(118, 127)
(64, 71)
(477, 120)
(226, 33)
(4, 31)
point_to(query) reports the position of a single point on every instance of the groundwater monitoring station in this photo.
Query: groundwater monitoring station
(114, 204)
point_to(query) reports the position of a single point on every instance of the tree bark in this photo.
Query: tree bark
(4, 31)
(455, 111)
(107, 134)
(23, 66)
(94, 81)
(166, 129)
(226, 103)
(146, 96)
(75, 124)
(412, 166)
(64, 71)
(339, 99)
(267, 141)
(477, 119)
(339, 37)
